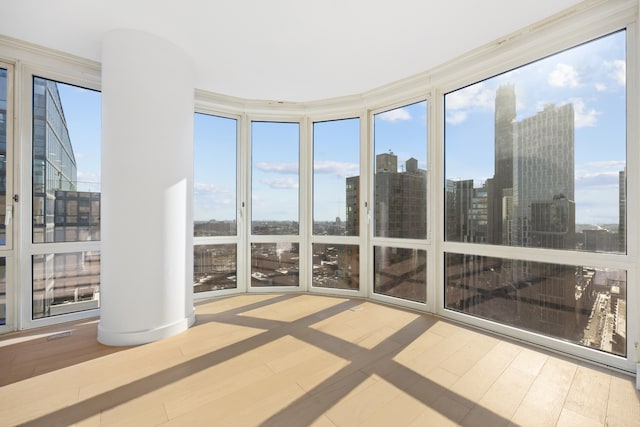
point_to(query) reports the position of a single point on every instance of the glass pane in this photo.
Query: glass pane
(400, 139)
(65, 283)
(274, 264)
(214, 170)
(336, 266)
(536, 156)
(3, 160)
(214, 267)
(336, 175)
(66, 162)
(400, 273)
(579, 304)
(3, 291)
(274, 177)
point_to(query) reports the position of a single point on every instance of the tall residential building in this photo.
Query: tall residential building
(543, 179)
(400, 208)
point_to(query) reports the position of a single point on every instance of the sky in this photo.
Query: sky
(591, 76)
(82, 110)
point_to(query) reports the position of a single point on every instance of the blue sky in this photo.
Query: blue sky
(591, 76)
(82, 110)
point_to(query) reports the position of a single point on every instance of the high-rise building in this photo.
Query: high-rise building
(505, 117)
(543, 175)
(400, 208)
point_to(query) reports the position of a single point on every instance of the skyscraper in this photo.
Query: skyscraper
(543, 179)
(505, 117)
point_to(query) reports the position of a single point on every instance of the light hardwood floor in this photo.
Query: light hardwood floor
(298, 360)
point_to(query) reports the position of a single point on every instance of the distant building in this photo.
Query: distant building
(400, 199)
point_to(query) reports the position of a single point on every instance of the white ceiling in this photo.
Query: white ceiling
(288, 50)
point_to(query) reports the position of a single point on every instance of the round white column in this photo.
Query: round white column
(147, 186)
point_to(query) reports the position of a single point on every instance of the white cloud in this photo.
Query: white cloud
(584, 117)
(339, 169)
(564, 76)
(617, 71)
(399, 114)
(284, 168)
(285, 183)
(209, 189)
(600, 87)
(476, 95)
(455, 117)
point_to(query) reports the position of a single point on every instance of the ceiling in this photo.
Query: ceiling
(285, 50)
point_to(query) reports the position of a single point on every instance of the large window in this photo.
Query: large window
(336, 177)
(275, 182)
(536, 158)
(215, 225)
(65, 197)
(400, 175)
(400, 179)
(336, 204)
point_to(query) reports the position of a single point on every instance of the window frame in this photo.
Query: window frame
(495, 60)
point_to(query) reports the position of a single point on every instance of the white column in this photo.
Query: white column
(147, 183)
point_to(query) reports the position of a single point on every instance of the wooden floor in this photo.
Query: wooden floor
(298, 360)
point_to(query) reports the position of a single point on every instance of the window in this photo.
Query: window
(214, 183)
(536, 158)
(579, 304)
(275, 178)
(66, 198)
(336, 177)
(215, 228)
(400, 181)
(400, 177)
